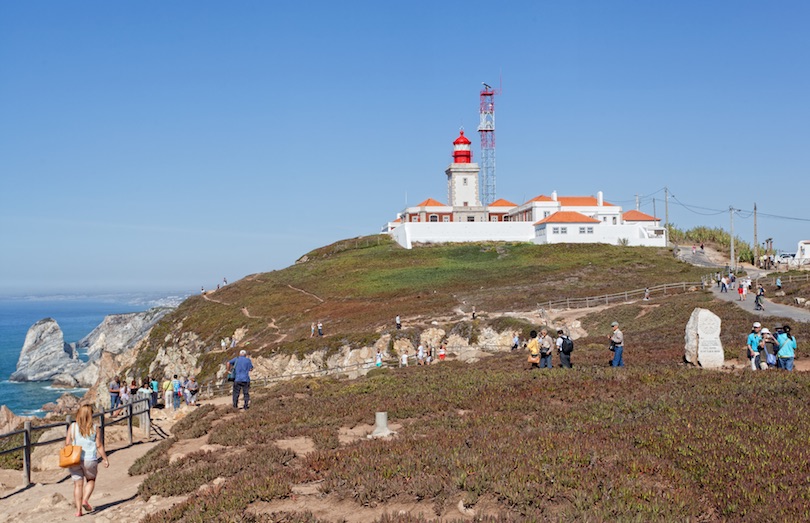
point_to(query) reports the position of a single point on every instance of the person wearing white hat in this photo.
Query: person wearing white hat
(754, 343)
(616, 345)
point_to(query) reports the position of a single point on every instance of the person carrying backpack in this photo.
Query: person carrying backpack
(565, 346)
(787, 349)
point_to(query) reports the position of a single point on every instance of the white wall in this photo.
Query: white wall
(636, 235)
(459, 232)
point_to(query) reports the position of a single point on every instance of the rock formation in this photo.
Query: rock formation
(45, 354)
(118, 333)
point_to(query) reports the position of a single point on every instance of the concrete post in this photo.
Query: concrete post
(381, 430)
(129, 421)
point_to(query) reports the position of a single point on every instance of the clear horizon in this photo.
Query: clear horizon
(171, 145)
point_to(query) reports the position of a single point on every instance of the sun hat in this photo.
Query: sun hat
(614, 324)
(757, 324)
(766, 331)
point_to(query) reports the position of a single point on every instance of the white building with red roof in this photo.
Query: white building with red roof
(543, 219)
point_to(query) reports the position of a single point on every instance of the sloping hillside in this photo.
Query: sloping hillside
(357, 287)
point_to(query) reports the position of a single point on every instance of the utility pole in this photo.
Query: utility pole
(756, 244)
(666, 211)
(732, 265)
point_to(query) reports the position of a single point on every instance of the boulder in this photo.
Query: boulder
(9, 421)
(702, 340)
(45, 354)
(800, 301)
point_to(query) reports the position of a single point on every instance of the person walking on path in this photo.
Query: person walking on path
(616, 345)
(546, 343)
(398, 322)
(115, 393)
(241, 378)
(320, 329)
(86, 435)
(312, 330)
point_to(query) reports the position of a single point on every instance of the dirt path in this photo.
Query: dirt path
(50, 498)
(307, 293)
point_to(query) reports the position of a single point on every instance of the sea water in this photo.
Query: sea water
(77, 316)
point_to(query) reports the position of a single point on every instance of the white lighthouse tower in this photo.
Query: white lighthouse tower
(462, 183)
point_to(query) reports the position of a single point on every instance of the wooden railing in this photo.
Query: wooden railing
(138, 407)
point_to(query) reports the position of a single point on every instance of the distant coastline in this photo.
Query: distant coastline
(77, 315)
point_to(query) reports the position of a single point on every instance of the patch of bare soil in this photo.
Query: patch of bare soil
(331, 508)
(301, 446)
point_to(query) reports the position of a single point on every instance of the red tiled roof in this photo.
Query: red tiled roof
(572, 201)
(567, 217)
(638, 216)
(502, 203)
(430, 202)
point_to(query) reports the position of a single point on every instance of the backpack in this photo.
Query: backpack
(567, 345)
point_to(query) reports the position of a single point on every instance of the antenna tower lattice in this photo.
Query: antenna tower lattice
(486, 128)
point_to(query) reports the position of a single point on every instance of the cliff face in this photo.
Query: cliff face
(119, 333)
(45, 354)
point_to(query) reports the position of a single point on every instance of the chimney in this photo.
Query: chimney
(554, 195)
(599, 199)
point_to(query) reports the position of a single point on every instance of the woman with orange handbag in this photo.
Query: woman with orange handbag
(86, 435)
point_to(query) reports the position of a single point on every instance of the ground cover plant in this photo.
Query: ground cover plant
(654, 441)
(356, 288)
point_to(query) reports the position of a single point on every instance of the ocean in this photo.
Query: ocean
(77, 316)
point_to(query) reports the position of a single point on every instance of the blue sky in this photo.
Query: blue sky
(166, 145)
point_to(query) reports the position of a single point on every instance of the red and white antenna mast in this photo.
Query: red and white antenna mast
(486, 128)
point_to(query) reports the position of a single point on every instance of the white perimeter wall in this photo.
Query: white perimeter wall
(454, 232)
(636, 235)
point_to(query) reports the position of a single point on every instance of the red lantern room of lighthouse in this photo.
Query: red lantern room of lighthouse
(461, 149)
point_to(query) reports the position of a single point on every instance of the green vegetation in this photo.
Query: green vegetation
(716, 237)
(649, 443)
(356, 287)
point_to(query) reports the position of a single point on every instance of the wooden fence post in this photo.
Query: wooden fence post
(129, 421)
(27, 453)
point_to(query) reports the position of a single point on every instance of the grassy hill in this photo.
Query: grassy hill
(656, 441)
(356, 287)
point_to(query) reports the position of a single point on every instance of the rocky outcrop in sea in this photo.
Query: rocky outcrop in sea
(45, 354)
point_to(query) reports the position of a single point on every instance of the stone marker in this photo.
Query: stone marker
(702, 340)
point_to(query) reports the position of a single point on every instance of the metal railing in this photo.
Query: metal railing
(135, 408)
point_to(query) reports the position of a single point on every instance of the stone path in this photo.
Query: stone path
(771, 309)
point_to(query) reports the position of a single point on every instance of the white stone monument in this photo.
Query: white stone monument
(702, 340)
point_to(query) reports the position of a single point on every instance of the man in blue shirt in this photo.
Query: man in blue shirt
(241, 379)
(753, 342)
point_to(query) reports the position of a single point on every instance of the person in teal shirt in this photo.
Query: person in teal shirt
(754, 341)
(787, 349)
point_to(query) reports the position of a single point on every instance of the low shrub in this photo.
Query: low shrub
(155, 459)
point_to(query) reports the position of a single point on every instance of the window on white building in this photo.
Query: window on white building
(590, 230)
(614, 220)
(546, 214)
(464, 181)
(414, 218)
(445, 218)
(470, 218)
(555, 230)
(604, 218)
(434, 218)
(465, 204)
(563, 230)
(493, 218)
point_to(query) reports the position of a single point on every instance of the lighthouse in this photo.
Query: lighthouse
(462, 183)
